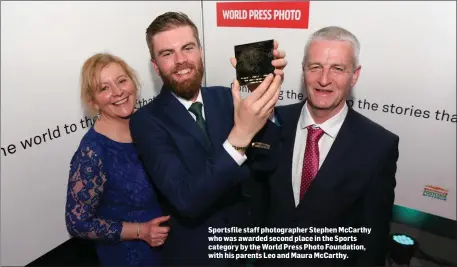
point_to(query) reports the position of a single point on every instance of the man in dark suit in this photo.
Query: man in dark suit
(192, 142)
(333, 166)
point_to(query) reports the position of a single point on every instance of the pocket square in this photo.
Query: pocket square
(260, 145)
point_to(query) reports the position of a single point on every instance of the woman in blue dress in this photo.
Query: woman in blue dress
(110, 199)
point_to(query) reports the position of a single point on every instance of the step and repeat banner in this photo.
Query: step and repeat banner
(43, 47)
(407, 82)
(407, 85)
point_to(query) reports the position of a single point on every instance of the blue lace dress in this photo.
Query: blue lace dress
(107, 186)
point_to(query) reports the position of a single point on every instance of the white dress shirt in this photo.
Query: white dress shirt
(237, 156)
(331, 128)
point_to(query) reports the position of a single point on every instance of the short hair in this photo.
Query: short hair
(90, 80)
(168, 21)
(335, 33)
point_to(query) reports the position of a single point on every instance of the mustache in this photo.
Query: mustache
(182, 66)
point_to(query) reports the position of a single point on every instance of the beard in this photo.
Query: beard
(188, 88)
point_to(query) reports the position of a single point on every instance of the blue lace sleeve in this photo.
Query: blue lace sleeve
(85, 189)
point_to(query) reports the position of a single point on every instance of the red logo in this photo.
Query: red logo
(294, 15)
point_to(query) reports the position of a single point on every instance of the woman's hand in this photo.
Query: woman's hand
(154, 234)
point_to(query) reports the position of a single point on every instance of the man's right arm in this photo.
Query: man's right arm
(262, 160)
(263, 152)
(190, 194)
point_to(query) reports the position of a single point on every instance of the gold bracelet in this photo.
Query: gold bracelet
(138, 231)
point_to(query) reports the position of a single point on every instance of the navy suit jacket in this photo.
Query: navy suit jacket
(199, 185)
(354, 186)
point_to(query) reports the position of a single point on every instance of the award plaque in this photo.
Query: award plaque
(253, 62)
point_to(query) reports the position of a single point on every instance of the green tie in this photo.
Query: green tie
(196, 109)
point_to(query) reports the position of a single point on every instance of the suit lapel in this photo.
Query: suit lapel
(178, 113)
(214, 117)
(341, 148)
(288, 140)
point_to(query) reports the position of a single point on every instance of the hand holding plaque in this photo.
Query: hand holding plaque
(254, 63)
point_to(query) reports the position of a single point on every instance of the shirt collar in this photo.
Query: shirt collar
(331, 126)
(187, 103)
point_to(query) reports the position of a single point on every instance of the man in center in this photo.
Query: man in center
(192, 141)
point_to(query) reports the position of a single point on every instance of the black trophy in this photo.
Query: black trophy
(253, 63)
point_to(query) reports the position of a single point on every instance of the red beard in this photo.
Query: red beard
(186, 89)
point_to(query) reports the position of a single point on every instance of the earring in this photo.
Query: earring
(97, 116)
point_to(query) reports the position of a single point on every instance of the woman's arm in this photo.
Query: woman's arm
(85, 191)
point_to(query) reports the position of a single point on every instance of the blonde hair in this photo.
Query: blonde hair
(90, 72)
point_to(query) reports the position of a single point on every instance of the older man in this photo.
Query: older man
(335, 167)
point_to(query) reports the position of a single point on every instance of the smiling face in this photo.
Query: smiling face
(115, 95)
(329, 74)
(178, 60)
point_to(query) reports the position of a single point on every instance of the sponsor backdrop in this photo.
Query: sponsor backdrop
(407, 82)
(43, 47)
(407, 85)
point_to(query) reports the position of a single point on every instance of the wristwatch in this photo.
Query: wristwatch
(240, 148)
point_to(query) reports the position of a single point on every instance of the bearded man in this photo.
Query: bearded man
(192, 141)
